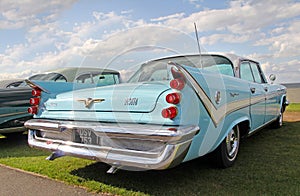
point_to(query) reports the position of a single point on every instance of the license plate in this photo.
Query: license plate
(86, 136)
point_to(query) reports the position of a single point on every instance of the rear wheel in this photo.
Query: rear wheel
(226, 153)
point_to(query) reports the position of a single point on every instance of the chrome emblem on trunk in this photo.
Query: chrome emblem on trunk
(131, 101)
(88, 102)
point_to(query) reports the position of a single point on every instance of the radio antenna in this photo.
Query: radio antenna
(198, 43)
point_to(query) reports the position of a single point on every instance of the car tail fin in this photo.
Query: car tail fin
(56, 87)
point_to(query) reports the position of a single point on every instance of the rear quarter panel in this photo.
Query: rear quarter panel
(217, 119)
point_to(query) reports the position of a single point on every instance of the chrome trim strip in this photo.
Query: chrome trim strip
(262, 126)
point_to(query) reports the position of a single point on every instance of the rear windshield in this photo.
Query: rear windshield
(158, 71)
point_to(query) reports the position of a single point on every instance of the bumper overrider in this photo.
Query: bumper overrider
(120, 145)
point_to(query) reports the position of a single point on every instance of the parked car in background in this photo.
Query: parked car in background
(172, 110)
(14, 102)
(10, 83)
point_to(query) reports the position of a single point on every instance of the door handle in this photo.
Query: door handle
(252, 90)
(266, 89)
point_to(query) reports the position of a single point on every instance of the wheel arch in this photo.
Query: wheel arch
(244, 126)
(283, 103)
(220, 154)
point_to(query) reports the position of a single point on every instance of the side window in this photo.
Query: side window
(84, 78)
(225, 69)
(245, 72)
(60, 78)
(159, 75)
(53, 77)
(256, 73)
(103, 80)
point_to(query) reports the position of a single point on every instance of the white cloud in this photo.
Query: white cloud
(164, 18)
(285, 44)
(228, 38)
(18, 14)
(241, 17)
(196, 3)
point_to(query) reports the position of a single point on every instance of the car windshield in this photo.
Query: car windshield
(157, 70)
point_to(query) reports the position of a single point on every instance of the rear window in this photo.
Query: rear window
(157, 70)
(98, 78)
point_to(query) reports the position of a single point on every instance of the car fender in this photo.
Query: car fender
(230, 127)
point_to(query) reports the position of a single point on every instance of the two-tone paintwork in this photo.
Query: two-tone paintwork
(211, 105)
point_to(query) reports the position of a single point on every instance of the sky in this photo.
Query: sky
(42, 35)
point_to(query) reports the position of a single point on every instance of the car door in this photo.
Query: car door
(250, 71)
(272, 102)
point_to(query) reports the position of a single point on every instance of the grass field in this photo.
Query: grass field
(268, 164)
(293, 107)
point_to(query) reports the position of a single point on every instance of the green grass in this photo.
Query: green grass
(293, 107)
(268, 164)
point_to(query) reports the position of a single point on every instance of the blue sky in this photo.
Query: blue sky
(37, 36)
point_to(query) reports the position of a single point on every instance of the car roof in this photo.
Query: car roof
(235, 59)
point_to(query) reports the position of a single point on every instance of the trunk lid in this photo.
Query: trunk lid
(137, 97)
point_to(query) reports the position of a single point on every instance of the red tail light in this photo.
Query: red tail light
(177, 84)
(32, 110)
(34, 101)
(173, 98)
(36, 92)
(170, 112)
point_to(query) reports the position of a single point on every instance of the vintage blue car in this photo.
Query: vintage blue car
(14, 97)
(172, 110)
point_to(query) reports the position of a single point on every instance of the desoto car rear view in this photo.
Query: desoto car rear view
(172, 110)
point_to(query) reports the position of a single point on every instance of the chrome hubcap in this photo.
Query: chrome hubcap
(232, 143)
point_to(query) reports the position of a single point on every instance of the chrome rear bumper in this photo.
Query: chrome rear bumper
(121, 145)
